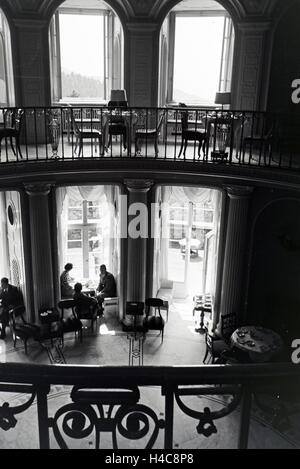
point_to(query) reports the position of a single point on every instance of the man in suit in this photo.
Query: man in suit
(9, 297)
(106, 287)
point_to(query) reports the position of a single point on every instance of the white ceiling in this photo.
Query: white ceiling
(182, 6)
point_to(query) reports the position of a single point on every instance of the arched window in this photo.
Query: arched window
(6, 72)
(200, 37)
(85, 62)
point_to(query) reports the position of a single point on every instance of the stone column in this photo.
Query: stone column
(235, 247)
(137, 246)
(40, 238)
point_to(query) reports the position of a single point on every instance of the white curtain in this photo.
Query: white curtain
(62, 225)
(4, 251)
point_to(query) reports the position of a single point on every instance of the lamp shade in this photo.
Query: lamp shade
(118, 95)
(223, 98)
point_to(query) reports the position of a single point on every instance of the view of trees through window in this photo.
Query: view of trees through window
(197, 58)
(82, 73)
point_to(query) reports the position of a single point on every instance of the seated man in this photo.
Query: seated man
(65, 279)
(10, 296)
(86, 302)
(107, 285)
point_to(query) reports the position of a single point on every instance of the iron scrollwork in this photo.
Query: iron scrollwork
(7, 413)
(206, 425)
(105, 410)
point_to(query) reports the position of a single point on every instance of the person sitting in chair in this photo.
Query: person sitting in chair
(65, 279)
(106, 287)
(86, 302)
(9, 297)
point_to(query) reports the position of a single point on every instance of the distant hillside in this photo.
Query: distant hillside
(76, 85)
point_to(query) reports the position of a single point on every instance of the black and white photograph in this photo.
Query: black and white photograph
(149, 227)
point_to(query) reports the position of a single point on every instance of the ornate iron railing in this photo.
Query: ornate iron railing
(244, 138)
(101, 400)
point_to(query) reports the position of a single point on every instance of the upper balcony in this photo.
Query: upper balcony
(174, 138)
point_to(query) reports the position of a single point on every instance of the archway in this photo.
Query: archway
(7, 97)
(84, 60)
(200, 41)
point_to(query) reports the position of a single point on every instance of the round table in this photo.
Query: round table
(260, 343)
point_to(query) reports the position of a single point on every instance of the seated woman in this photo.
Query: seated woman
(86, 303)
(65, 279)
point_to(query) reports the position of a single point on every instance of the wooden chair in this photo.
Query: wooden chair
(20, 328)
(117, 124)
(13, 120)
(154, 322)
(151, 135)
(86, 310)
(72, 323)
(188, 134)
(216, 345)
(86, 133)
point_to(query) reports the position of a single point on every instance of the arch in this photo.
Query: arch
(7, 97)
(275, 238)
(233, 7)
(221, 61)
(121, 8)
(84, 81)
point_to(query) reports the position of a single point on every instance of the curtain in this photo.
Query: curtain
(4, 251)
(62, 226)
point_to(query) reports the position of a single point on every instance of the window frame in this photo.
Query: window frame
(109, 19)
(226, 64)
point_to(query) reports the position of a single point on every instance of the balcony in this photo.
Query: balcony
(147, 407)
(210, 138)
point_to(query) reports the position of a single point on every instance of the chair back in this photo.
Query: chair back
(155, 303)
(160, 122)
(135, 308)
(66, 304)
(17, 315)
(18, 120)
(228, 325)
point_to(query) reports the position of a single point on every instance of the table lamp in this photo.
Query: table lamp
(223, 98)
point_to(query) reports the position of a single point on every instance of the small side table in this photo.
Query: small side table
(202, 304)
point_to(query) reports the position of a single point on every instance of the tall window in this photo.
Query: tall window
(200, 45)
(85, 61)
(6, 71)
(88, 229)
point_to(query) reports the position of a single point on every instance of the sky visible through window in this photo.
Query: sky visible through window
(82, 55)
(197, 59)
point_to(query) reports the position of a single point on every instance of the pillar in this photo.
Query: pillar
(235, 247)
(41, 248)
(137, 247)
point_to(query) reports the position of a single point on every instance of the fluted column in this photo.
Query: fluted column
(234, 257)
(137, 244)
(40, 237)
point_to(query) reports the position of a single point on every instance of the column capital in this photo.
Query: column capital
(239, 192)
(38, 188)
(138, 185)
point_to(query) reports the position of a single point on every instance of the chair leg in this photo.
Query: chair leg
(162, 334)
(205, 356)
(181, 148)
(12, 146)
(156, 146)
(185, 145)
(25, 346)
(18, 147)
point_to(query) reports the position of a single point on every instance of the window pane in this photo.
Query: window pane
(197, 59)
(74, 234)
(82, 55)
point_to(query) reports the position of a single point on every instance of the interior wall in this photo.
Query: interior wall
(273, 293)
(284, 69)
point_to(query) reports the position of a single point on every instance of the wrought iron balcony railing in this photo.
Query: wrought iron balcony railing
(144, 405)
(174, 133)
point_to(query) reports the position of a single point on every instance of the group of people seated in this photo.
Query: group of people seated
(106, 288)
